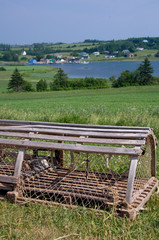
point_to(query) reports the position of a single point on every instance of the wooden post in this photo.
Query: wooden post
(153, 154)
(12, 196)
(18, 165)
(60, 156)
(131, 178)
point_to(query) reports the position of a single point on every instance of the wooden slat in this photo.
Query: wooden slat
(20, 122)
(6, 187)
(77, 133)
(73, 139)
(88, 129)
(8, 179)
(71, 147)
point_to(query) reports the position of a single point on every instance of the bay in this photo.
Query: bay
(102, 69)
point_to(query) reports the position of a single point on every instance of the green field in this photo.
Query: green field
(136, 106)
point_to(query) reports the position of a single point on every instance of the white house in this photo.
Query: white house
(96, 53)
(24, 53)
(139, 49)
(145, 41)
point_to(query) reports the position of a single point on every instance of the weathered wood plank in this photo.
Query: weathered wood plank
(71, 147)
(8, 179)
(6, 187)
(77, 133)
(20, 122)
(18, 165)
(88, 129)
(74, 139)
(131, 178)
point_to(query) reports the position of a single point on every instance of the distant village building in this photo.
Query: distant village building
(96, 53)
(84, 55)
(126, 51)
(109, 56)
(145, 41)
(57, 55)
(32, 61)
(139, 49)
(24, 53)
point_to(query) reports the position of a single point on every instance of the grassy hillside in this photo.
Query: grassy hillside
(137, 106)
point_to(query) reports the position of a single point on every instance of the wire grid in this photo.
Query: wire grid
(8, 157)
(90, 180)
(143, 170)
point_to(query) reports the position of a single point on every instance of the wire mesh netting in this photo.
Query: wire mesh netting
(69, 177)
(8, 159)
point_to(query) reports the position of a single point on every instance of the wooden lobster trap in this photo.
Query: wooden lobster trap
(77, 165)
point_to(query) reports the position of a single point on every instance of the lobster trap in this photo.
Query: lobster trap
(77, 165)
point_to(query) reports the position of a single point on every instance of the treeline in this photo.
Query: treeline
(9, 56)
(59, 82)
(141, 77)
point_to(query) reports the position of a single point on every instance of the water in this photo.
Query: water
(102, 69)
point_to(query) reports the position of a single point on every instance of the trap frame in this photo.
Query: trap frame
(78, 165)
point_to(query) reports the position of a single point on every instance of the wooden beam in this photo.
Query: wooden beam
(131, 178)
(77, 133)
(20, 122)
(18, 165)
(73, 139)
(76, 128)
(71, 147)
(8, 179)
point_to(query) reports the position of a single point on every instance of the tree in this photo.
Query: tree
(157, 54)
(145, 72)
(60, 80)
(16, 83)
(27, 87)
(41, 85)
(10, 56)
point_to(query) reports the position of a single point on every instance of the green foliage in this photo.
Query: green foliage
(145, 73)
(157, 54)
(88, 83)
(142, 76)
(27, 87)
(16, 83)
(2, 69)
(41, 85)
(10, 56)
(60, 80)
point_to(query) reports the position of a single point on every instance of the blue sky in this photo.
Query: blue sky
(30, 21)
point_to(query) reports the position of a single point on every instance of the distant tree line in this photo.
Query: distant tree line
(59, 82)
(9, 56)
(141, 77)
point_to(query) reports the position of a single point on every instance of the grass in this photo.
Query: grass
(30, 73)
(137, 106)
(41, 222)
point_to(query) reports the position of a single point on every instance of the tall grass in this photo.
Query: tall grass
(136, 106)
